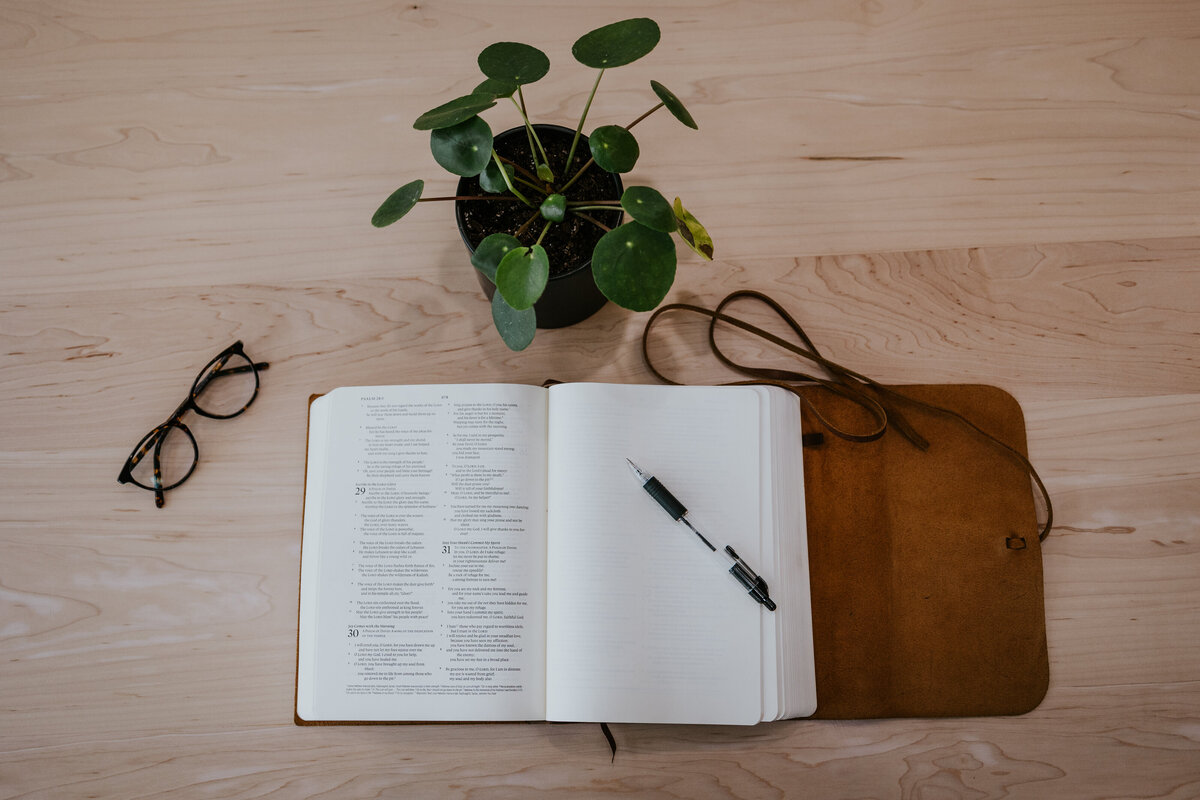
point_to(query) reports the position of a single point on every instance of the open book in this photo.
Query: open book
(482, 552)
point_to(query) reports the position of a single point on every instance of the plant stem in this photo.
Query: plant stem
(593, 203)
(643, 116)
(530, 133)
(592, 220)
(579, 129)
(577, 175)
(518, 168)
(591, 161)
(517, 233)
(543, 233)
(540, 189)
(605, 207)
(508, 181)
(471, 197)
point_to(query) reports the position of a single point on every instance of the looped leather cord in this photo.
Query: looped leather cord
(840, 375)
(842, 381)
(775, 377)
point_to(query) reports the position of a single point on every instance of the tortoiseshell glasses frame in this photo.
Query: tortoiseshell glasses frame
(153, 441)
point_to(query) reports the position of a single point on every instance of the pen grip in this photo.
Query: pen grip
(665, 499)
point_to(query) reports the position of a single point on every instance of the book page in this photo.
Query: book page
(792, 623)
(423, 563)
(767, 567)
(644, 622)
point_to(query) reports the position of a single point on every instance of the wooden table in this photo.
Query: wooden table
(997, 192)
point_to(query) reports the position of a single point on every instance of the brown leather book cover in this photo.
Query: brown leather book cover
(922, 606)
(926, 567)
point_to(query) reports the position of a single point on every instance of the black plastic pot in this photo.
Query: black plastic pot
(571, 296)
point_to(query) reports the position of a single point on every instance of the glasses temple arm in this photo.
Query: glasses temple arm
(159, 496)
(258, 366)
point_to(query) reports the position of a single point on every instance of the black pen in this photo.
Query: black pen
(755, 586)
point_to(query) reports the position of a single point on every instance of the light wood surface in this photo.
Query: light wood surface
(999, 192)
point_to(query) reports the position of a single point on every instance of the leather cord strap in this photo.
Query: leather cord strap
(881, 403)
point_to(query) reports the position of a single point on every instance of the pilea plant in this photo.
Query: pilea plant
(634, 263)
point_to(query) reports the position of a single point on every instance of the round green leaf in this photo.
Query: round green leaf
(399, 203)
(496, 88)
(617, 44)
(513, 61)
(457, 110)
(490, 251)
(649, 207)
(464, 149)
(554, 208)
(522, 276)
(490, 180)
(634, 266)
(516, 328)
(614, 148)
(673, 105)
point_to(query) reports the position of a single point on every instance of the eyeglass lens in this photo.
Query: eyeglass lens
(176, 457)
(225, 387)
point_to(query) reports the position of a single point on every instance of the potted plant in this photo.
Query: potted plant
(542, 207)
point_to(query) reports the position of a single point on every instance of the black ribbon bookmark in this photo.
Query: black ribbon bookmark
(612, 743)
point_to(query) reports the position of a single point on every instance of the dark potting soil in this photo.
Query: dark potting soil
(568, 243)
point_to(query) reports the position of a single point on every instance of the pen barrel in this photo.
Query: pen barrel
(665, 499)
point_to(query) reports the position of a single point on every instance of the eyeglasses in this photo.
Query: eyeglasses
(223, 390)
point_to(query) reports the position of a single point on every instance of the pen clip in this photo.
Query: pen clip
(754, 577)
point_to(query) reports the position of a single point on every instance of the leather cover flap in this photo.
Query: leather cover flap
(922, 606)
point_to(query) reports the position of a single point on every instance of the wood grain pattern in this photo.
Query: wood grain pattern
(999, 192)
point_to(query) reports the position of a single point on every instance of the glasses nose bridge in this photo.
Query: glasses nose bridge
(176, 418)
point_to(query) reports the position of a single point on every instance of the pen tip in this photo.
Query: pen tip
(636, 470)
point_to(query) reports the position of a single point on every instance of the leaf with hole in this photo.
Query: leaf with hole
(460, 109)
(513, 61)
(516, 328)
(692, 232)
(617, 44)
(650, 208)
(398, 204)
(634, 266)
(522, 275)
(491, 251)
(614, 148)
(674, 105)
(464, 149)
